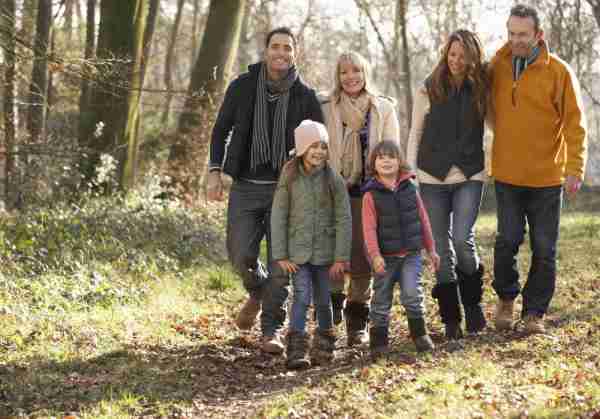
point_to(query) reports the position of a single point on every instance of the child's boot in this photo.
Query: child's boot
(418, 333)
(323, 347)
(379, 342)
(357, 318)
(337, 304)
(447, 297)
(297, 351)
(471, 290)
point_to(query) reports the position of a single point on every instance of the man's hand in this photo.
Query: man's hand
(572, 185)
(214, 186)
(435, 260)
(288, 266)
(379, 265)
(336, 272)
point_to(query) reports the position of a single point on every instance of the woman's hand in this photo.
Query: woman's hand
(288, 266)
(336, 271)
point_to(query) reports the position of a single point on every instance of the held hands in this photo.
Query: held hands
(379, 265)
(288, 266)
(336, 271)
(434, 259)
(572, 185)
(214, 186)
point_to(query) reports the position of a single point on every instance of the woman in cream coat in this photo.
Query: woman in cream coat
(356, 119)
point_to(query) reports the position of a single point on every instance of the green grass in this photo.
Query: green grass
(108, 339)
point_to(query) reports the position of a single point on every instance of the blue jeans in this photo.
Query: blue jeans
(311, 283)
(406, 271)
(453, 210)
(248, 223)
(540, 209)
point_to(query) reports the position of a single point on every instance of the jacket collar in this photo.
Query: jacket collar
(375, 184)
(505, 54)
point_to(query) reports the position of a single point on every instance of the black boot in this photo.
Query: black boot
(418, 333)
(447, 296)
(357, 318)
(337, 303)
(379, 343)
(471, 290)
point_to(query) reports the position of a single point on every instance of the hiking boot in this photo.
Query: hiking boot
(418, 333)
(337, 304)
(357, 317)
(471, 290)
(272, 345)
(504, 314)
(297, 351)
(379, 344)
(247, 315)
(474, 318)
(323, 347)
(534, 324)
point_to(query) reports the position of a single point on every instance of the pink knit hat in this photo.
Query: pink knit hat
(307, 133)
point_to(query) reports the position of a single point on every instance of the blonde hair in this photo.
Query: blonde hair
(357, 60)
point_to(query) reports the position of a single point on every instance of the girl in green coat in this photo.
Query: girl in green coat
(311, 231)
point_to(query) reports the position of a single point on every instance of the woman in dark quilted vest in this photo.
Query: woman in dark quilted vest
(395, 229)
(446, 147)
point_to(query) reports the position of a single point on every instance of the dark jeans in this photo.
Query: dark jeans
(453, 210)
(308, 281)
(248, 222)
(406, 272)
(540, 208)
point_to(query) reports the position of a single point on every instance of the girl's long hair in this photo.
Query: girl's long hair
(439, 86)
(291, 170)
(387, 148)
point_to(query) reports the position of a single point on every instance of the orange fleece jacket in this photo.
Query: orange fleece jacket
(539, 124)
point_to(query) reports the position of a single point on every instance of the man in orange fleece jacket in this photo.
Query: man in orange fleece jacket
(539, 148)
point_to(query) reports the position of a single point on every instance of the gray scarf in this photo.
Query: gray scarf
(520, 64)
(264, 149)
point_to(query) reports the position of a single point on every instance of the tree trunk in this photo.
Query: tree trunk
(115, 97)
(406, 79)
(595, 9)
(211, 72)
(148, 35)
(7, 149)
(84, 99)
(195, 32)
(244, 49)
(39, 75)
(26, 35)
(169, 62)
(68, 23)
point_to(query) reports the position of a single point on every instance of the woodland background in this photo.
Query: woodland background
(116, 299)
(104, 93)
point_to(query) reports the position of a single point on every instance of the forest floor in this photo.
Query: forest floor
(147, 331)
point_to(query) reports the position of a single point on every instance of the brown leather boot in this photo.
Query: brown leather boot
(534, 324)
(323, 348)
(272, 345)
(504, 314)
(297, 351)
(247, 315)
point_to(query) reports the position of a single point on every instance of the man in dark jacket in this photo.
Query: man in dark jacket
(251, 141)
